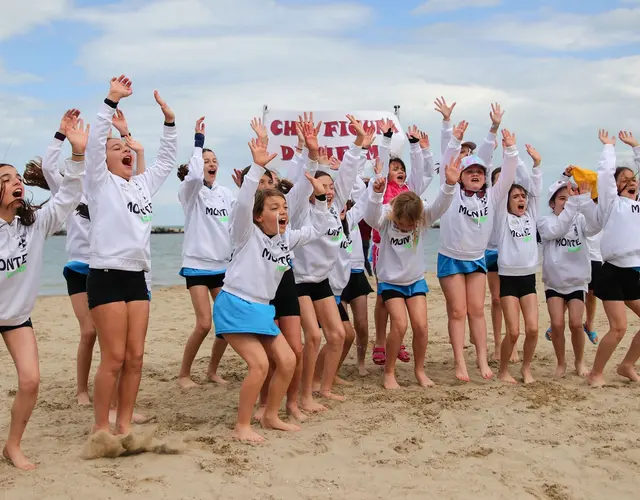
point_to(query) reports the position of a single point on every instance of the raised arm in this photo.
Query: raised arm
(552, 228)
(607, 188)
(535, 190)
(194, 179)
(374, 214)
(384, 150)
(453, 148)
(167, 154)
(416, 176)
(630, 140)
(486, 149)
(319, 219)
(351, 163)
(298, 197)
(500, 191)
(447, 128)
(445, 195)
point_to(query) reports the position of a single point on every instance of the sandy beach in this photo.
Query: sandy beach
(556, 439)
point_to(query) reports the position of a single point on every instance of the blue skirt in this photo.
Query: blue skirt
(448, 266)
(231, 314)
(408, 291)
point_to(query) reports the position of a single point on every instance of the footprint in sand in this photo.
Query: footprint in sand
(103, 444)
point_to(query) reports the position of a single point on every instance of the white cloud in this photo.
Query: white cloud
(20, 17)
(15, 78)
(434, 6)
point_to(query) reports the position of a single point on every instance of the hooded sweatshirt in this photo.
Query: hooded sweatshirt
(401, 254)
(21, 248)
(121, 210)
(313, 262)
(260, 260)
(566, 266)
(620, 216)
(466, 226)
(517, 245)
(207, 244)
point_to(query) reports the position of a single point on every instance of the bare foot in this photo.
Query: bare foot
(17, 458)
(217, 379)
(627, 371)
(332, 396)
(185, 383)
(390, 382)
(316, 384)
(139, 418)
(461, 373)
(259, 413)
(527, 376)
(340, 381)
(561, 369)
(507, 378)
(485, 371)
(247, 434)
(496, 354)
(309, 405)
(423, 380)
(83, 399)
(273, 422)
(515, 358)
(581, 370)
(362, 371)
(595, 381)
(294, 411)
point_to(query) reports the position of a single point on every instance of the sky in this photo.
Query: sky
(560, 68)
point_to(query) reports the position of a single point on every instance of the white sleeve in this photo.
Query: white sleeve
(551, 228)
(96, 173)
(347, 175)
(636, 157)
(50, 166)
(445, 136)
(193, 182)
(486, 149)
(415, 180)
(373, 214)
(440, 205)
(607, 188)
(500, 191)
(384, 154)
(51, 217)
(589, 211)
(242, 221)
(155, 176)
(360, 197)
(296, 169)
(535, 193)
(319, 225)
(298, 197)
(452, 151)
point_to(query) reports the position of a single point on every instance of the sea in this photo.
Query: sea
(166, 260)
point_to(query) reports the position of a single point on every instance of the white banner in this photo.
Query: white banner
(336, 133)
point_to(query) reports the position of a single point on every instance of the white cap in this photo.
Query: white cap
(555, 187)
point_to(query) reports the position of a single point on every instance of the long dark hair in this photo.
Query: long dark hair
(27, 211)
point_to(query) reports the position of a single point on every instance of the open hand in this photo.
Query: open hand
(443, 109)
(323, 159)
(237, 177)
(584, 187)
(604, 137)
(628, 139)
(386, 126)
(413, 133)
(334, 163)
(452, 171)
(318, 186)
(120, 88)
(460, 129)
(535, 156)
(200, 126)
(370, 137)
(67, 119)
(77, 135)
(379, 185)
(259, 152)
(508, 139)
(357, 126)
(120, 123)
(260, 130)
(424, 140)
(169, 116)
(496, 114)
(134, 145)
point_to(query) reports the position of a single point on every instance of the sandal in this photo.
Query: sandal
(379, 356)
(593, 336)
(403, 355)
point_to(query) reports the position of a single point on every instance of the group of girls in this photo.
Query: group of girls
(286, 256)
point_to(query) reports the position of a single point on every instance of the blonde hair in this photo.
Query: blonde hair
(407, 206)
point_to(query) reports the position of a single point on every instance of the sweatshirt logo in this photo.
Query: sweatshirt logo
(477, 216)
(405, 241)
(570, 244)
(221, 213)
(282, 263)
(635, 208)
(525, 235)
(145, 213)
(346, 244)
(13, 265)
(335, 234)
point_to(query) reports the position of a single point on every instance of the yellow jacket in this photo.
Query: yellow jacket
(581, 175)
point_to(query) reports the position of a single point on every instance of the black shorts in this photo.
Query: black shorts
(596, 268)
(211, 281)
(105, 286)
(343, 312)
(76, 282)
(357, 287)
(577, 295)
(317, 291)
(26, 324)
(286, 299)
(396, 294)
(517, 286)
(617, 283)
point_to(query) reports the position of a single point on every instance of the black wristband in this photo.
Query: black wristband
(413, 140)
(322, 197)
(60, 136)
(389, 133)
(199, 140)
(172, 124)
(110, 103)
(125, 135)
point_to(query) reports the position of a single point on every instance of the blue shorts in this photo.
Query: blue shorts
(389, 291)
(189, 271)
(448, 266)
(231, 314)
(491, 259)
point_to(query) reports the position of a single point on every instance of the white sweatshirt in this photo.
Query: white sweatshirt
(21, 249)
(466, 226)
(400, 256)
(593, 244)
(360, 196)
(259, 260)
(422, 166)
(312, 263)
(485, 150)
(121, 211)
(207, 243)
(566, 266)
(517, 245)
(620, 217)
(77, 245)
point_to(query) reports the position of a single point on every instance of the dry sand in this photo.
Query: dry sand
(557, 439)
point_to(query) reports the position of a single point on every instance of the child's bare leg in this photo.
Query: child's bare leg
(556, 307)
(329, 317)
(22, 346)
(85, 347)
(590, 304)
(398, 314)
(617, 316)
(511, 312)
(626, 368)
(496, 313)
(576, 312)
(455, 295)
(251, 350)
(361, 325)
(202, 308)
(279, 351)
(317, 374)
(217, 351)
(475, 287)
(381, 318)
(312, 339)
(350, 336)
(291, 329)
(417, 309)
(264, 393)
(529, 307)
